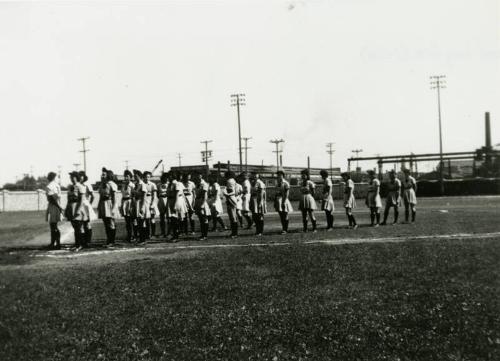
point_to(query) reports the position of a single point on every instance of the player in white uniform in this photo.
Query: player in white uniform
(307, 203)
(373, 200)
(282, 203)
(393, 199)
(409, 196)
(258, 205)
(176, 204)
(201, 207)
(151, 204)
(126, 203)
(215, 203)
(163, 204)
(245, 199)
(189, 194)
(54, 210)
(107, 207)
(327, 204)
(349, 199)
(73, 211)
(139, 207)
(87, 207)
(231, 202)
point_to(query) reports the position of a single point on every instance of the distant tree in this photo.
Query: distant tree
(27, 183)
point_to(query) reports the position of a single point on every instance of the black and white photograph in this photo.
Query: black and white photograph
(250, 180)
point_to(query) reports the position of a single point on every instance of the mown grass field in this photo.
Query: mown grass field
(421, 298)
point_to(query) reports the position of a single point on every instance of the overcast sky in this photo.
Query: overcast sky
(148, 80)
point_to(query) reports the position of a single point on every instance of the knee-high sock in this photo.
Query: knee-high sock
(396, 215)
(221, 222)
(353, 219)
(407, 214)
(372, 217)
(377, 216)
(191, 223)
(249, 220)
(413, 215)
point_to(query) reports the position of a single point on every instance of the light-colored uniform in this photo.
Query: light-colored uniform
(176, 202)
(231, 200)
(393, 193)
(307, 201)
(327, 202)
(86, 205)
(245, 196)
(349, 199)
(189, 194)
(127, 201)
(53, 214)
(71, 212)
(257, 207)
(162, 190)
(373, 199)
(106, 208)
(214, 200)
(409, 185)
(281, 190)
(150, 190)
(201, 206)
(238, 189)
(138, 204)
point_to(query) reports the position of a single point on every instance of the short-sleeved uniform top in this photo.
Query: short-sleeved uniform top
(282, 189)
(327, 202)
(105, 208)
(307, 201)
(53, 214)
(409, 185)
(257, 207)
(393, 193)
(201, 206)
(349, 199)
(373, 199)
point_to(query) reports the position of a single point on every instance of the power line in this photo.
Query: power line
(438, 82)
(277, 151)
(126, 164)
(206, 154)
(357, 151)
(179, 156)
(84, 151)
(246, 148)
(238, 100)
(330, 151)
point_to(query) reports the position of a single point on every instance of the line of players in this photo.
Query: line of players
(176, 199)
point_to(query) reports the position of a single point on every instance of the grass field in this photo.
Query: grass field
(432, 295)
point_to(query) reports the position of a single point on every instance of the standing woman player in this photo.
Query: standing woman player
(73, 211)
(373, 200)
(139, 207)
(393, 199)
(327, 204)
(189, 195)
(87, 207)
(238, 189)
(107, 207)
(258, 205)
(410, 196)
(126, 203)
(349, 199)
(151, 207)
(176, 204)
(201, 206)
(282, 203)
(245, 199)
(163, 203)
(231, 202)
(54, 210)
(215, 203)
(307, 204)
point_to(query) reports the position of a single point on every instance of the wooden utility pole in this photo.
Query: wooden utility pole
(238, 100)
(438, 82)
(330, 151)
(84, 151)
(278, 151)
(246, 148)
(206, 154)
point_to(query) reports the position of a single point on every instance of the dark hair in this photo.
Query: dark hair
(74, 174)
(83, 175)
(280, 172)
(51, 176)
(305, 172)
(345, 174)
(146, 172)
(323, 173)
(137, 172)
(164, 177)
(229, 174)
(127, 173)
(110, 175)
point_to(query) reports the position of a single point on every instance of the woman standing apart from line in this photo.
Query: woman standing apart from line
(327, 204)
(163, 203)
(307, 204)
(73, 211)
(282, 203)
(107, 207)
(151, 204)
(393, 199)
(245, 199)
(139, 207)
(349, 199)
(410, 196)
(201, 206)
(87, 207)
(231, 202)
(126, 203)
(373, 200)
(54, 210)
(258, 205)
(215, 203)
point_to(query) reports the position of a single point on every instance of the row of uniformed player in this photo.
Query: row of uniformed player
(176, 199)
